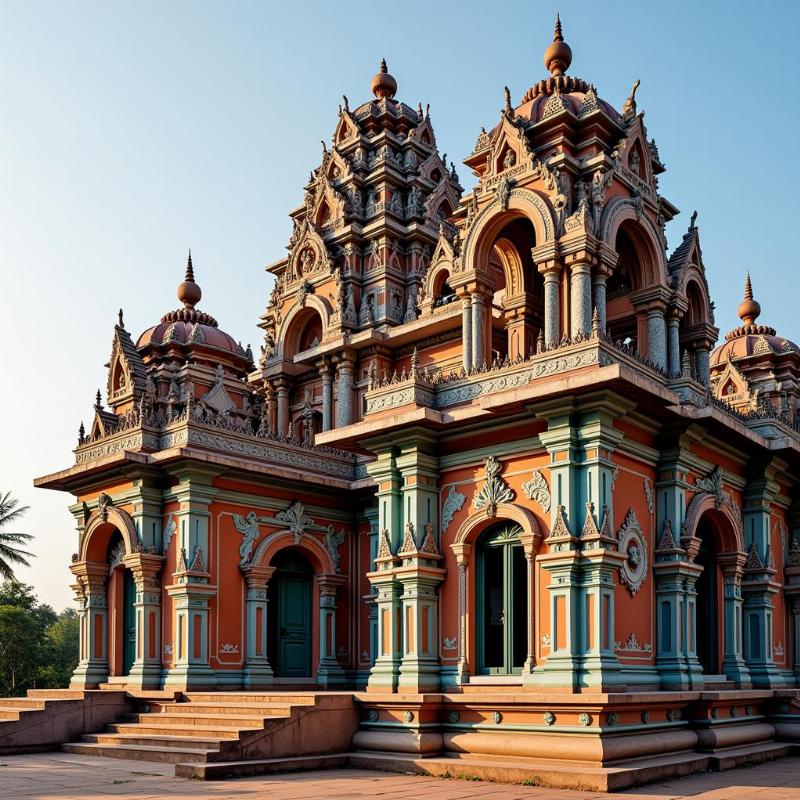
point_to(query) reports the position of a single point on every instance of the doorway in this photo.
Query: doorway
(128, 621)
(289, 617)
(707, 616)
(502, 601)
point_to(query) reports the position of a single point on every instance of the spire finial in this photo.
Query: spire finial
(98, 400)
(384, 86)
(120, 321)
(693, 222)
(749, 308)
(189, 292)
(558, 36)
(558, 55)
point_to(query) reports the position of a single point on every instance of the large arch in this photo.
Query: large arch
(477, 522)
(291, 339)
(315, 551)
(488, 224)
(101, 527)
(722, 517)
(622, 210)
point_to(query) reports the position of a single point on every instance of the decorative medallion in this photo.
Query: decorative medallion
(673, 714)
(549, 718)
(454, 716)
(452, 503)
(408, 716)
(748, 710)
(449, 643)
(586, 719)
(497, 717)
(734, 711)
(633, 571)
(645, 717)
(494, 490)
(612, 718)
(536, 488)
(714, 713)
(373, 715)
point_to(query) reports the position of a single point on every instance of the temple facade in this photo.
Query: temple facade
(490, 441)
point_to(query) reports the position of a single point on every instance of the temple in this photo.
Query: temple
(490, 475)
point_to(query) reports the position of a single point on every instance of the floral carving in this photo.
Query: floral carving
(248, 527)
(333, 540)
(536, 488)
(452, 503)
(170, 527)
(494, 491)
(648, 494)
(295, 519)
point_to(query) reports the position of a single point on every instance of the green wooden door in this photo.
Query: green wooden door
(289, 625)
(502, 602)
(128, 622)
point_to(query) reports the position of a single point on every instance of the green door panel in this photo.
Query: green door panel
(128, 622)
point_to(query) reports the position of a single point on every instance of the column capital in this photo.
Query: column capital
(257, 576)
(329, 584)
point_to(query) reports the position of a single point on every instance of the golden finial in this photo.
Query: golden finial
(749, 309)
(189, 292)
(383, 84)
(558, 55)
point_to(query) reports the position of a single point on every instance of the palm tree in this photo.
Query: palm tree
(11, 511)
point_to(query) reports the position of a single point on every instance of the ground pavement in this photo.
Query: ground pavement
(62, 776)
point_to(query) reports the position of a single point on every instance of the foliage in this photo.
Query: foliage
(38, 648)
(10, 512)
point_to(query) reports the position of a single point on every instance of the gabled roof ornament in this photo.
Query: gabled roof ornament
(558, 55)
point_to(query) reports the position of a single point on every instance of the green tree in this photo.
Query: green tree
(38, 648)
(10, 512)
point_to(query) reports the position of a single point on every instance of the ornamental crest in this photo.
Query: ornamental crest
(633, 572)
(536, 488)
(452, 503)
(170, 527)
(332, 543)
(248, 527)
(713, 485)
(495, 490)
(295, 519)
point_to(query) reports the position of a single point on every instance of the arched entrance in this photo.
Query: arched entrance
(122, 606)
(501, 598)
(290, 621)
(707, 613)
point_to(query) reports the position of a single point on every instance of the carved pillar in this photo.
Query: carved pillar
(257, 670)
(530, 657)
(345, 400)
(552, 303)
(282, 391)
(580, 299)
(733, 664)
(466, 331)
(656, 337)
(91, 591)
(271, 408)
(329, 672)
(599, 292)
(701, 363)
(478, 329)
(146, 672)
(462, 552)
(326, 374)
(673, 343)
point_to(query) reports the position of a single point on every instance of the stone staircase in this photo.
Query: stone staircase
(208, 727)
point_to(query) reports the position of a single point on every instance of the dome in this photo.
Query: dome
(190, 327)
(383, 84)
(751, 339)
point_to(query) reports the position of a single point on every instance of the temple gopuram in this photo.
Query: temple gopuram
(491, 499)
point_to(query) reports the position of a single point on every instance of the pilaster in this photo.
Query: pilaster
(257, 670)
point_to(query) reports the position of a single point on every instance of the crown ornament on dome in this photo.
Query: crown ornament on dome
(384, 86)
(189, 293)
(558, 55)
(749, 309)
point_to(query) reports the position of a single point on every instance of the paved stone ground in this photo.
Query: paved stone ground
(61, 776)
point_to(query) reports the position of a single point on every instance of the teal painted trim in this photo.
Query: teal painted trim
(529, 446)
(722, 722)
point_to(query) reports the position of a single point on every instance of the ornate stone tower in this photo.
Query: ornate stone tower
(359, 251)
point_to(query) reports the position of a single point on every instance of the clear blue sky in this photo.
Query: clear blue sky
(131, 131)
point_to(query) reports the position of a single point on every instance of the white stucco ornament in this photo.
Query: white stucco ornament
(633, 571)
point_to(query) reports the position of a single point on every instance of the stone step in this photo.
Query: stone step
(217, 770)
(155, 740)
(211, 720)
(169, 755)
(10, 714)
(251, 699)
(56, 694)
(228, 709)
(21, 703)
(215, 732)
(749, 754)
